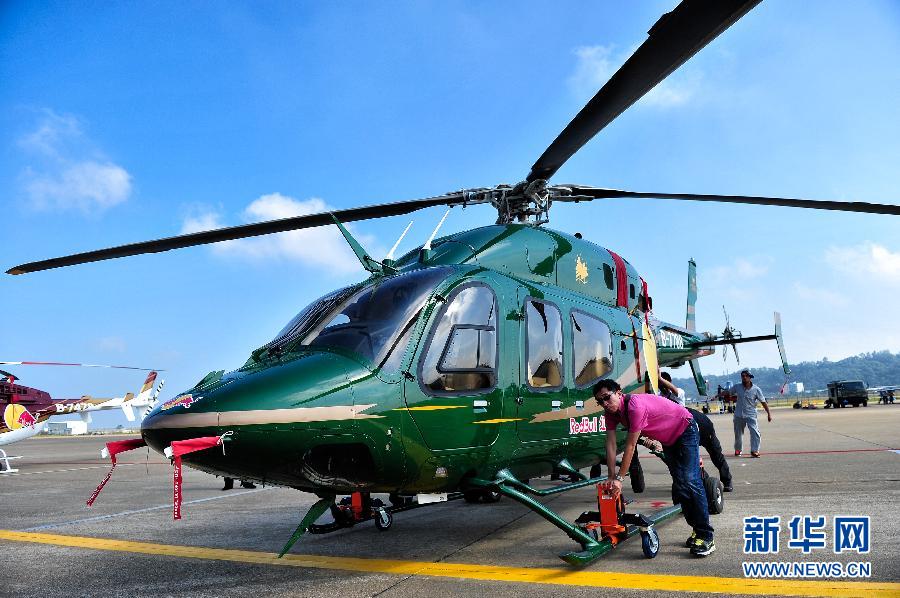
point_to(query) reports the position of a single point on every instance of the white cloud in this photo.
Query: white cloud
(66, 172)
(866, 260)
(87, 186)
(596, 64)
(322, 247)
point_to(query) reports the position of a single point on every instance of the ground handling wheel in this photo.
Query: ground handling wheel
(650, 542)
(383, 519)
(714, 495)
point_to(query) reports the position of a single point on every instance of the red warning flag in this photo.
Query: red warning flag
(176, 450)
(113, 449)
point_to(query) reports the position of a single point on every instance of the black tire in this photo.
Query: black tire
(636, 473)
(596, 471)
(650, 542)
(865, 403)
(383, 519)
(714, 496)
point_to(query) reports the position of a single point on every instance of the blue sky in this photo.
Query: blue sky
(136, 121)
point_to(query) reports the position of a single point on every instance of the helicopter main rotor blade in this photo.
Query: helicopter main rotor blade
(582, 193)
(674, 38)
(246, 230)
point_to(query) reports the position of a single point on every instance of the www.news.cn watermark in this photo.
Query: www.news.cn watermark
(806, 570)
(808, 534)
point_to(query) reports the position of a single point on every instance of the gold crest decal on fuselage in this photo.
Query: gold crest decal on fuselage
(581, 270)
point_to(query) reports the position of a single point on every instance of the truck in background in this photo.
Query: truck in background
(847, 392)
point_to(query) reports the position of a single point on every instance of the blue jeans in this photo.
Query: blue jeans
(683, 459)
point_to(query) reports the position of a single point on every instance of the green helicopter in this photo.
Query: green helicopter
(463, 368)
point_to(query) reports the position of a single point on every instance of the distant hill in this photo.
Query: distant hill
(880, 368)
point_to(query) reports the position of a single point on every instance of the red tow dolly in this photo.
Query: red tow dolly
(611, 524)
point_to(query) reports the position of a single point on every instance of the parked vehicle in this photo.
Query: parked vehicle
(847, 392)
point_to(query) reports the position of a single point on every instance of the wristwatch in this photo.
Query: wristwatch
(620, 478)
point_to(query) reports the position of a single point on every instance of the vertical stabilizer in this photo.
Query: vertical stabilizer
(689, 320)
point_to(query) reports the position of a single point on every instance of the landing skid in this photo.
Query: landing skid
(5, 467)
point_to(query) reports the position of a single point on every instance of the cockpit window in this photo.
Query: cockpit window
(369, 321)
(462, 353)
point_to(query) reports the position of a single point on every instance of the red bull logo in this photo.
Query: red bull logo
(183, 401)
(587, 425)
(16, 416)
(26, 419)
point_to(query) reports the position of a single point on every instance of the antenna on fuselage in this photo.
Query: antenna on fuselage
(390, 255)
(427, 244)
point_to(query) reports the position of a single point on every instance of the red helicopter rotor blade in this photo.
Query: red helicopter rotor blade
(83, 365)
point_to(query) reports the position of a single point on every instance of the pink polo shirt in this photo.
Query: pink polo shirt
(654, 416)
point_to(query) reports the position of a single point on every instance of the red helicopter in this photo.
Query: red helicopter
(26, 411)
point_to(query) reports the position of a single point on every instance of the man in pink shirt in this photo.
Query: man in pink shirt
(674, 427)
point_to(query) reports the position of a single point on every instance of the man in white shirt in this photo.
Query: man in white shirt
(745, 413)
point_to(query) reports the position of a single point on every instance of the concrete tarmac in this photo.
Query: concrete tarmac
(822, 463)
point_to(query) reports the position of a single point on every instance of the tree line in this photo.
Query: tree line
(879, 368)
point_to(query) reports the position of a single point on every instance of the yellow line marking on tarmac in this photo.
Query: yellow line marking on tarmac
(566, 577)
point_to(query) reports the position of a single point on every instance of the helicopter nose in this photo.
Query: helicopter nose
(179, 418)
(305, 396)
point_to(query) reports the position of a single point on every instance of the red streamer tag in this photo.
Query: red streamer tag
(114, 448)
(183, 447)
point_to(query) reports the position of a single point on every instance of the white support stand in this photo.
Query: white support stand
(4, 461)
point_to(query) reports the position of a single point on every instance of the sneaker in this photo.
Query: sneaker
(737, 453)
(703, 547)
(754, 454)
(728, 487)
(690, 541)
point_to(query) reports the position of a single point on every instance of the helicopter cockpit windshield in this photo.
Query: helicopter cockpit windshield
(368, 321)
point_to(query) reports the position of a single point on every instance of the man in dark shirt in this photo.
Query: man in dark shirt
(710, 442)
(708, 439)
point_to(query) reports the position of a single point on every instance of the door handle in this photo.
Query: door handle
(480, 405)
(556, 405)
(579, 404)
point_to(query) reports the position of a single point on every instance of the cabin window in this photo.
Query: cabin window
(545, 345)
(462, 352)
(631, 290)
(591, 349)
(608, 277)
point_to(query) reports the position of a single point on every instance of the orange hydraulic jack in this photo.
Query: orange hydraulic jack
(611, 523)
